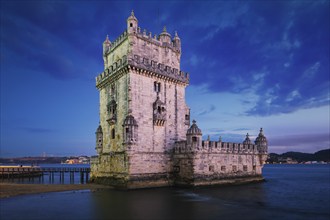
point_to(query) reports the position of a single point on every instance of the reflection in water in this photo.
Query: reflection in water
(290, 192)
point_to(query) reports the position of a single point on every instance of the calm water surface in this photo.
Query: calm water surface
(290, 192)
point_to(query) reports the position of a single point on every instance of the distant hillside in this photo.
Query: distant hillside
(322, 155)
(32, 160)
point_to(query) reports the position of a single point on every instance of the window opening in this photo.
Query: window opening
(113, 133)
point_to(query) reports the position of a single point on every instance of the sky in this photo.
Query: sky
(252, 64)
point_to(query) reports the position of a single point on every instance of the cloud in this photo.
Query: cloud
(300, 142)
(210, 109)
(242, 129)
(298, 139)
(38, 45)
(279, 59)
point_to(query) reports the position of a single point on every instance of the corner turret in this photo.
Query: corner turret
(106, 45)
(99, 140)
(165, 37)
(261, 142)
(247, 139)
(194, 135)
(132, 23)
(176, 41)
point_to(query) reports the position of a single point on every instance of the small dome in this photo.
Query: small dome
(165, 32)
(261, 138)
(176, 37)
(107, 41)
(247, 139)
(194, 130)
(99, 129)
(132, 17)
(130, 121)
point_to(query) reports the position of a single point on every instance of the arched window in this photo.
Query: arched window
(113, 133)
(157, 87)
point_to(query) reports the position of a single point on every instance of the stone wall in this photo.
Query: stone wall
(117, 91)
(216, 162)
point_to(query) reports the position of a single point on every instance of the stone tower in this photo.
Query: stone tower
(142, 108)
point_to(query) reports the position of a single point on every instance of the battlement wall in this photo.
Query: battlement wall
(146, 37)
(216, 147)
(116, 43)
(145, 64)
(156, 40)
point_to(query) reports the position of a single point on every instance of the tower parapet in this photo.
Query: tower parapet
(145, 66)
(160, 48)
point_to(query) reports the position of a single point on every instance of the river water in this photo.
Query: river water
(290, 192)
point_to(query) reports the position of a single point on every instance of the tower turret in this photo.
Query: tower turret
(261, 142)
(99, 140)
(106, 45)
(132, 23)
(194, 135)
(106, 49)
(247, 139)
(176, 41)
(165, 37)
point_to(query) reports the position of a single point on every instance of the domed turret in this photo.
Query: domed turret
(165, 37)
(261, 142)
(247, 139)
(99, 130)
(99, 140)
(177, 41)
(106, 45)
(194, 130)
(194, 135)
(132, 23)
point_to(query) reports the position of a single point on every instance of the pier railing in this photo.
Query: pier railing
(10, 172)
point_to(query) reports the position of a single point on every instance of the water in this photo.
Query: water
(290, 192)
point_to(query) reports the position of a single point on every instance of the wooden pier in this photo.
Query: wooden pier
(11, 172)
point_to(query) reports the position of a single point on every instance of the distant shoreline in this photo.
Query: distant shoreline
(15, 189)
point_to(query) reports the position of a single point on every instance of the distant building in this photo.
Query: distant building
(145, 138)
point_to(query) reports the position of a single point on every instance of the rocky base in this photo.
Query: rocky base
(222, 181)
(163, 180)
(135, 181)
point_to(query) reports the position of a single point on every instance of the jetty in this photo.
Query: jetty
(11, 172)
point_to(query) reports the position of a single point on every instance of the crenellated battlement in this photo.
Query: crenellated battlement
(144, 64)
(156, 40)
(112, 46)
(215, 147)
(146, 36)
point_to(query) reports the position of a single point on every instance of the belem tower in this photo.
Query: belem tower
(145, 137)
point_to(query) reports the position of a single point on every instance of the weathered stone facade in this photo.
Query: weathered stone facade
(144, 139)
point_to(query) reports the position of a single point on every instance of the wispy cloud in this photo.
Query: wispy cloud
(301, 142)
(210, 109)
(283, 67)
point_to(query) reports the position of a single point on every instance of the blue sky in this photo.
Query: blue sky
(252, 64)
